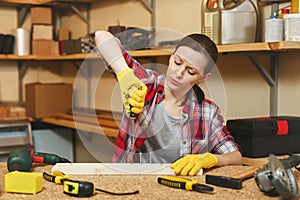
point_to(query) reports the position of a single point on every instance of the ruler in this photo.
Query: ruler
(116, 168)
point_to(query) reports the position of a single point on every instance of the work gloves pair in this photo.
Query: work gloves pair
(133, 92)
(192, 163)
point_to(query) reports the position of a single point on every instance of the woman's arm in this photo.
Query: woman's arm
(110, 50)
(133, 90)
(232, 158)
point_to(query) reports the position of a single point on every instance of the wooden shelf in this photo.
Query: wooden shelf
(260, 46)
(156, 52)
(43, 2)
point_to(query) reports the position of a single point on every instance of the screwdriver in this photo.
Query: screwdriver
(183, 183)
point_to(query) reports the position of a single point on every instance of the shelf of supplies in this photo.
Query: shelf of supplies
(82, 56)
(157, 52)
(43, 2)
(260, 46)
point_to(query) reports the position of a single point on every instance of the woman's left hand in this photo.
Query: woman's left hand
(192, 163)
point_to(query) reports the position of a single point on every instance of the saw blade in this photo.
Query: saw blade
(283, 180)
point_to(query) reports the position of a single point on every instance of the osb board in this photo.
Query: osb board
(147, 186)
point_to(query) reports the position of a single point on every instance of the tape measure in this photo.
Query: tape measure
(77, 188)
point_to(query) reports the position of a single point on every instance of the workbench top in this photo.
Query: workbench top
(146, 184)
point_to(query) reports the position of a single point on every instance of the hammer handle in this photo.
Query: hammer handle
(247, 174)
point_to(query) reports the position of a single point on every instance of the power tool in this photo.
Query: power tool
(21, 159)
(277, 177)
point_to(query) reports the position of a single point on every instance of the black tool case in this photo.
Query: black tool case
(258, 137)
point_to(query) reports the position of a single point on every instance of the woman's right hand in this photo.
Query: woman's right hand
(133, 92)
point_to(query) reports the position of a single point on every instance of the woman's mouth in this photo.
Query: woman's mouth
(175, 82)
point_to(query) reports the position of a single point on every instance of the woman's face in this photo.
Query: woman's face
(186, 68)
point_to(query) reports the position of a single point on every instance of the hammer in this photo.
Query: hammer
(233, 182)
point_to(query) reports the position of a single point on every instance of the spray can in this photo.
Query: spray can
(273, 29)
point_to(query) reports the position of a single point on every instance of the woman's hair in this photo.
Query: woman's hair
(202, 44)
(205, 45)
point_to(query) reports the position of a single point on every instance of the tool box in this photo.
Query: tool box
(258, 137)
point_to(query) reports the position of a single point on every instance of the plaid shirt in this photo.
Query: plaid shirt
(203, 132)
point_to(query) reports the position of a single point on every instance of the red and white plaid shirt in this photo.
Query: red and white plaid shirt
(203, 132)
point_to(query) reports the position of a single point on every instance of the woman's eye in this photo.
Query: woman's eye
(191, 72)
(177, 62)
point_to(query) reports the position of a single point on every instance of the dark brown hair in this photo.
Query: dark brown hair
(205, 45)
(202, 44)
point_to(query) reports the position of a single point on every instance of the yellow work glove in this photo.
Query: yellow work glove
(133, 92)
(192, 163)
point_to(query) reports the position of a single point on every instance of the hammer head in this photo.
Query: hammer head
(224, 181)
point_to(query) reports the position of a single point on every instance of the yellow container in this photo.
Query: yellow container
(23, 182)
(295, 6)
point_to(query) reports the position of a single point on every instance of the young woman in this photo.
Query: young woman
(166, 116)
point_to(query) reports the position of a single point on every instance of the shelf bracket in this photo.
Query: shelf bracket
(22, 14)
(262, 71)
(148, 6)
(22, 68)
(151, 9)
(271, 78)
(85, 19)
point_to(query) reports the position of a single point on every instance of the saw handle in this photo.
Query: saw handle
(291, 161)
(247, 174)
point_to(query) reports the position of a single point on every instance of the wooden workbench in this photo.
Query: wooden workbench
(146, 184)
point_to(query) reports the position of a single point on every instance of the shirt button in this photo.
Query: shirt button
(184, 142)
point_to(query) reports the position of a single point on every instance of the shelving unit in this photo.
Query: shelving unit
(250, 49)
(157, 52)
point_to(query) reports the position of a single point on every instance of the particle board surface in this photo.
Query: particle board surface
(146, 184)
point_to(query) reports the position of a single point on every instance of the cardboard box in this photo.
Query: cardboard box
(81, 45)
(41, 15)
(45, 100)
(258, 137)
(64, 34)
(42, 32)
(44, 47)
(4, 111)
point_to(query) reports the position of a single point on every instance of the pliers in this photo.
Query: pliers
(183, 183)
(57, 177)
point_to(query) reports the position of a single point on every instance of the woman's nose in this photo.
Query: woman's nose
(180, 71)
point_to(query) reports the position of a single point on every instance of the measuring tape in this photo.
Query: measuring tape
(77, 188)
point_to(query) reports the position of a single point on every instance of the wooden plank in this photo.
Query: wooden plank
(255, 161)
(109, 132)
(259, 46)
(115, 168)
(93, 120)
(13, 141)
(44, 2)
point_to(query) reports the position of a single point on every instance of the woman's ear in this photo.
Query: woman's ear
(206, 75)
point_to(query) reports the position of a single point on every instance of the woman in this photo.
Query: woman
(173, 119)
